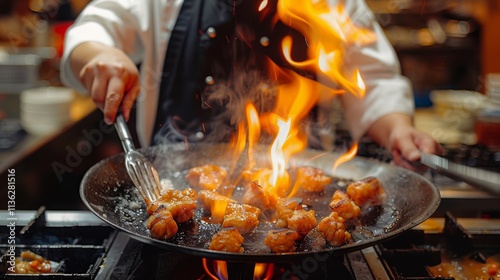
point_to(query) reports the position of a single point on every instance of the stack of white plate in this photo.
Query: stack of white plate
(493, 88)
(45, 110)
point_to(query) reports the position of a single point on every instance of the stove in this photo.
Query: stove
(81, 246)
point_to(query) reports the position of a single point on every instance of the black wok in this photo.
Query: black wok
(108, 192)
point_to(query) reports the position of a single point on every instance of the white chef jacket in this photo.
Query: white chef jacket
(142, 29)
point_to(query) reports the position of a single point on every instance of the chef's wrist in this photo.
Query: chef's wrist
(383, 129)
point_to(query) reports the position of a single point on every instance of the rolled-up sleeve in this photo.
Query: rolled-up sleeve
(109, 23)
(387, 91)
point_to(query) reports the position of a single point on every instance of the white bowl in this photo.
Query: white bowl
(47, 98)
(50, 108)
(42, 127)
(32, 118)
(458, 108)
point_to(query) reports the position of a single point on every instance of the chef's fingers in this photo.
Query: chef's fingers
(114, 96)
(97, 78)
(407, 147)
(129, 99)
(399, 160)
(428, 145)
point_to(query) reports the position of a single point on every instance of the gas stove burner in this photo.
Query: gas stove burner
(70, 245)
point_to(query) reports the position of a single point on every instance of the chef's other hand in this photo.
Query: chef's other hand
(111, 78)
(397, 134)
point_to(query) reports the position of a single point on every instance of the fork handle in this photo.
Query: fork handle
(124, 133)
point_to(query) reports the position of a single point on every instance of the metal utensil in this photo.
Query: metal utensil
(139, 168)
(480, 178)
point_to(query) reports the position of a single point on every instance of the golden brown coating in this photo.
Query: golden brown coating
(162, 225)
(281, 240)
(285, 208)
(208, 176)
(243, 217)
(344, 206)
(302, 221)
(31, 263)
(180, 203)
(312, 179)
(227, 240)
(333, 229)
(256, 196)
(366, 192)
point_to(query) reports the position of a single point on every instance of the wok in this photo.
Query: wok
(109, 193)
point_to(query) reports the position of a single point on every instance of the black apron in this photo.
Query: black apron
(204, 48)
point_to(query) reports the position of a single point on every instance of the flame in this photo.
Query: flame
(346, 157)
(219, 267)
(329, 33)
(263, 271)
(254, 129)
(218, 271)
(218, 210)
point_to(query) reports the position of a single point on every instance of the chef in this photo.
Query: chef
(163, 55)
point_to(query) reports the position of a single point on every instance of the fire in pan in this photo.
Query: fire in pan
(109, 193)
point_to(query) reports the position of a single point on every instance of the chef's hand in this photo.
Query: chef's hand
(398, 135)
(110, 77)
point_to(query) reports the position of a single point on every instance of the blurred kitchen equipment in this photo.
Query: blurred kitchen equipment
(139, 168)
(492, 84)
(483, 179)
(18, 72)
(458, 108)
(487, 127)
(11, 133)
(44, 110)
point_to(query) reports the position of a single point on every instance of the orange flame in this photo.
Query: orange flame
(346, 157)
(262, 271)
(253, 130)
(220, 268)
(329, 32)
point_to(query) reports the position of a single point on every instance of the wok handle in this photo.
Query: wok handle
(124, 133)
(480, 178)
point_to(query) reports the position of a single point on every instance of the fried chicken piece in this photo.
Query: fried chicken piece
(281, 240)
(208, 176)
(31, 263)
(180, 203)
(312, 179)
(258, 197)
(243, 217)
(366, 192)
(285, 208)
(227, 240)
(302, 221)
(333, 229)
(208, 199)
(162, 225)
(344, 206)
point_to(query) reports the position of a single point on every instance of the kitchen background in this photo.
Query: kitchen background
(448, 49)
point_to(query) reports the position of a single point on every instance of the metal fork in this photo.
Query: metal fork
(139, 168)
